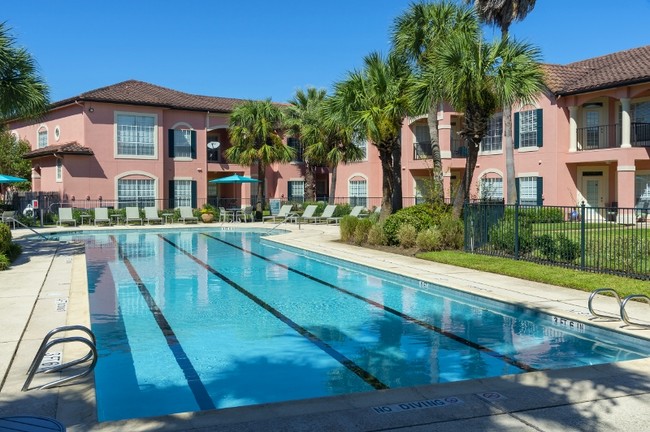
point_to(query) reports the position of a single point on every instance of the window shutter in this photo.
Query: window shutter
(171, 194)
(170, 142)
(193, 142)
(193, 193)
(517, 188)
(540, 129)
(540, 191)
(516, 134)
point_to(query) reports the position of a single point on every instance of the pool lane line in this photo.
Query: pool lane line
(191, 375)
(428, 326)
(340, 357)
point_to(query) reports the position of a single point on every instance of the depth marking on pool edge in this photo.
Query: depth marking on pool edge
(197, 387)
(428, 326)
(341, 358)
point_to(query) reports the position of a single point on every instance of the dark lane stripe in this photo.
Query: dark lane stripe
(428, 326)
(352, 366)
(191, 375)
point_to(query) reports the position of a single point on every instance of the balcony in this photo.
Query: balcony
(609, 136)
(422, 150)
(458, 148)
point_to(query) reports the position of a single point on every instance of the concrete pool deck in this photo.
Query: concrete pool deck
(47, 288)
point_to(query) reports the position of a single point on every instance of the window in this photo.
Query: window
(422, 142)
(136, 135)
(529, 190)
(296, 190)
(295, 144)
(492, 141)
(182, 143)
(642, 190)
(422, 133)
(59, 170)
(640, 116)
(42, 137)
(182, 193)
(358, 193)
(140, 193)
(528, 129)
(492, 189)
(363, 145)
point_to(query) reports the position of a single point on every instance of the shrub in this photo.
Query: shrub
(452, 232)
(14, 251)
(4, 262)
(406, 235)
(545, 244)
(419, 216)
(502, 236)
(361, 231)
(5, 238)
(537, 214)
(567, 249)
(429, 240)
(376, 235)
(347, 227)
(342, 210)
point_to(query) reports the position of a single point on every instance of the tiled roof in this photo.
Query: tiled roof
(60, 149)
(617, 69)
(142, 93)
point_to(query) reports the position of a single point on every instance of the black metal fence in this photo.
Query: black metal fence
(599, 239)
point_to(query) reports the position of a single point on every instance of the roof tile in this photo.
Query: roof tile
(66, 148)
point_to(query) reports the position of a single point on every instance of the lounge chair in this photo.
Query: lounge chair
(151, 215)
(132, 214)
(247, 213)
(8, 216)
(307, 216)
(187, 215)
(65, 216)
(356, 212)
(225, 215)
(328, 213)
(101, 216)
(284, 213)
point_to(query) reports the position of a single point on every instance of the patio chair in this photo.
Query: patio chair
(245, 214)
(328, 213)
(356, 212)
(284, 213)
(307, 216)
(101, 216)
(225, 215)
(65, 216)
(151, 215)
(187, 215)
(8, 216)
(132, 214)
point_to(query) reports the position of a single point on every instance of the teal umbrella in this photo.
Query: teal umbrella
(10, 179)
(235, 178)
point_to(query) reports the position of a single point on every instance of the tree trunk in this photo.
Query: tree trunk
(332, 192)
(386, 156)
(310, 186)
(261, 176)
(397, 175)
(432, 121)
(510, 155)
(463, 191)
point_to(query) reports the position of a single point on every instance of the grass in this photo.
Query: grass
(583, 281)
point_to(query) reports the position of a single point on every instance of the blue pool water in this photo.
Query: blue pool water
(189, 321)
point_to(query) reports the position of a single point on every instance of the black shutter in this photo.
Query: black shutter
(540, 129)
(193, 193)
(171, 194)
(193, 143)
(170, 142)
(540, 191)
(516, 133)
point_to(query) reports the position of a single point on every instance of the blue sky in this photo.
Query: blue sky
(260, 48)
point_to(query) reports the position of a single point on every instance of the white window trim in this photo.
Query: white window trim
(355, 177)
(526, 148)
(47, 135)
(57, 133)
(136, 173)
(495, 172)
(184, 126)
(155, 136)
(365, 159)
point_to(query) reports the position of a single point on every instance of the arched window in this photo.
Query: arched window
(358, 191)
(42, 137)
(136, 189)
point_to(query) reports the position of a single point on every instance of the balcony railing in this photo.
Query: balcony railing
(640, 134)
(599, 137)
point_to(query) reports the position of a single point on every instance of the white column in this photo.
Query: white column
(625, 123)
(573, 129)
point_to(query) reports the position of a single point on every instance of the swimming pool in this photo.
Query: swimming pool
(191, 320)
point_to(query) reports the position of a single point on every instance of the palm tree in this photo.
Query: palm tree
(23, 93)
(477, 77)
(375, 100)
(416, 33)
(502, 13)
(256, 134)
(303, 121)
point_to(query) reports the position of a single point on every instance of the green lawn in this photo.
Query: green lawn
(575, 279)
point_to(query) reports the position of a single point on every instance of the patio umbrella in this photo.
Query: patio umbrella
(10, 179)
(235, 178)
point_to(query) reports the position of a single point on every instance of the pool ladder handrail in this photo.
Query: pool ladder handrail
(47, 344)
(289, 216)
(621, 303)
(624, 315)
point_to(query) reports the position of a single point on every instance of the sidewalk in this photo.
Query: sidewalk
(610, 397)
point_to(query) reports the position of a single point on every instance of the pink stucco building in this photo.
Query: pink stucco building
(585, 139)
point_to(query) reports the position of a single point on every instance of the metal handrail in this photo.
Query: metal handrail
(47, 344)
(624, 315)
(601, 290)
(289, 216)
(14, 220)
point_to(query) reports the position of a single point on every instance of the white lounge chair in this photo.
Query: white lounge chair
(285, 212)
(307, 216)
(101, 216)
(245, 214)
(65, 216)
(8, 216)
(356, 212)
(187, 215)
(132, 215)
(328, 213)
(151, 215)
